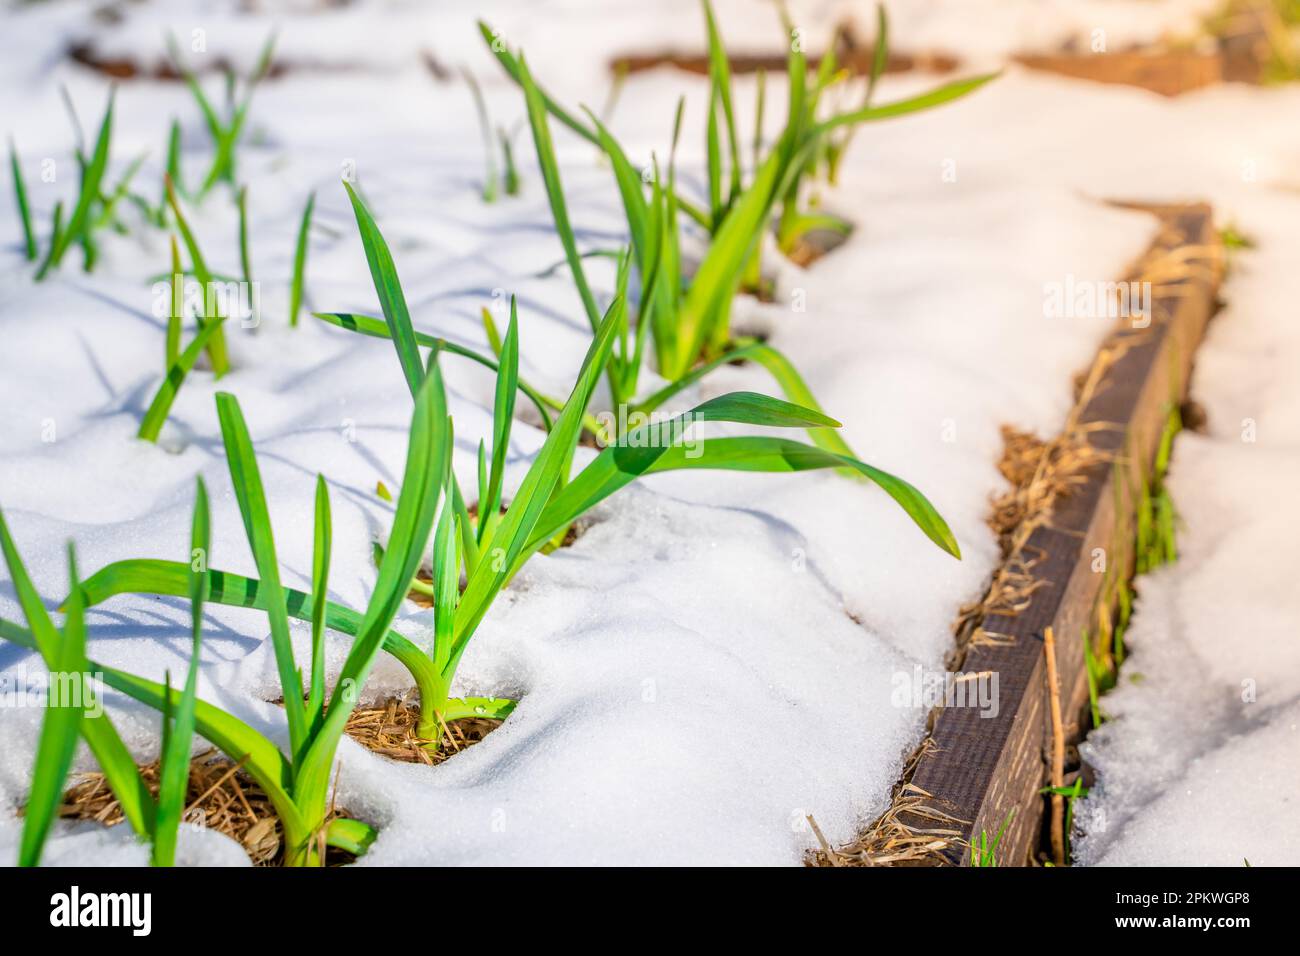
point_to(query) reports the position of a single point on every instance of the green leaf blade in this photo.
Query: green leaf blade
(300, 261)
(322, 544)
(428, 461)
(529, 502)
(217, 344)
(174, 773)
(160, 407)
(20, 198)
(247, 481)
(59, 732)
(555, 191)
(389, 289)
(779, 454)
(93, 176)
(912, 104)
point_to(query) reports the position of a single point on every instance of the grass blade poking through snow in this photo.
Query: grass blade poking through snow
(376, 328)
(555, 190)
(175, 308)
(300, 261)
(20, 198)
(56, 231)
(639, 454)
(508, 161)
(697, 328)
(245, 264)
(389, 288)
(320, 571)
(546, 472)
(179, 364)
(485, 127)
(503, 538)
(559, 209)
(157, 214)
(428, 462)
(91, 178)
(503, 412)
(178, 727)
(156, 415)
(879, 59)
(173, 171)
(115, 760)
(720, 94)
(199, 268)
(226, 132)
(247, 480)
(298, 785)
(60, 730)
(547, 501)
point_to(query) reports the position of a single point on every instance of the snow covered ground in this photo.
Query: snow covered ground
(714, 658)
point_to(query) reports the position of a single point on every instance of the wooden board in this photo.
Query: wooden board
(859, 64)
(851, 52)
(1168, 74)
(987, 771)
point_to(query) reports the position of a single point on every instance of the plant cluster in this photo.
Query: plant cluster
(297, 780)
(508, 178)
(473, 545)
(95, 209)
(685, 316)
(226, 127)
(98, 207)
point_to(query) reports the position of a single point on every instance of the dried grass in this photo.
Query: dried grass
(220, 796)
(390, 731)
(891, 842)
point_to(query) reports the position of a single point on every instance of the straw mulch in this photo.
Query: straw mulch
(220, 797)
(390, 731)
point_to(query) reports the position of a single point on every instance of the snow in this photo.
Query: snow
(714, 658)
